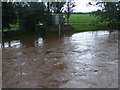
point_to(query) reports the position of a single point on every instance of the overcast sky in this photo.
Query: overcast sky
(81, 6)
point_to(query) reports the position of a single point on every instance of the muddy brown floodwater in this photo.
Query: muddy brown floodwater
(81, 60)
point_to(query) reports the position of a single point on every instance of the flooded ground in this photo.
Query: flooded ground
(81, 60)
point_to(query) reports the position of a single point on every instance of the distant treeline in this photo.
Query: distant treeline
(81, 13)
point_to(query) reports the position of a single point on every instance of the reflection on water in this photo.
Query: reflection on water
(85, 37)
(40, 41)
(15, 44)
(22, 43)
(88, 36)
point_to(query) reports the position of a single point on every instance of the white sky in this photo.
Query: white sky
(82, 7)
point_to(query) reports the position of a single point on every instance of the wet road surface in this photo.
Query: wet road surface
(81, 60)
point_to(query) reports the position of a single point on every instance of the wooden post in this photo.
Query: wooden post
(59, 29)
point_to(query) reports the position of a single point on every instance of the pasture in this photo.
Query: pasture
(82, 18)
(85, 22)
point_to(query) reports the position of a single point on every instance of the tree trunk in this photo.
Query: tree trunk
(67, 20)
(27, 25)
(48, 7)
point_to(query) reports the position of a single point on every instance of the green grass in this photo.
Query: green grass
(82, 18)
(84, 22)
(14, 26)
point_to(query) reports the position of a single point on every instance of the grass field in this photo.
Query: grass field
(84, 22)
(82, 18)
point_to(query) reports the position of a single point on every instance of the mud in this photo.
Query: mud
(81, 60)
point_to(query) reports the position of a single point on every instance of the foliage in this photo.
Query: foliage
(30, 14)
(69, 9)
(110, 12)
(57, 7)
(8, 15)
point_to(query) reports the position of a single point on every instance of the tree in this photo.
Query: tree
(8, 15)
(57, 7)
(53, 7)
(118, 15)
(30, 14)
(109, 12)
(20, 10)
(48, 7)
(69, 9)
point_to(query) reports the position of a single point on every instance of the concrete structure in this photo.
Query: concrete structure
(55, 22)
(58, 19)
